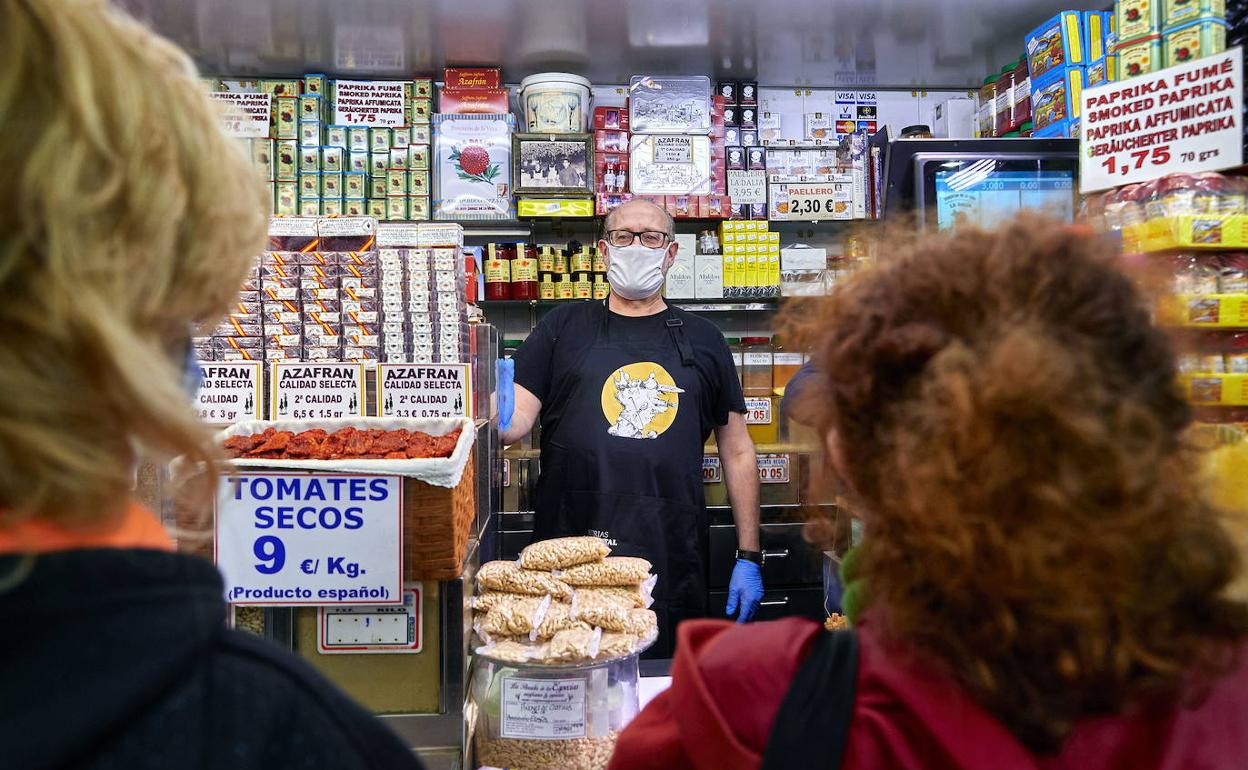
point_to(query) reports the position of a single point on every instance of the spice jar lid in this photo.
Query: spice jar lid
(732, 340)
(755, 340)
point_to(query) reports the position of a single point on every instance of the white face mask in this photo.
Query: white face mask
(636, 272)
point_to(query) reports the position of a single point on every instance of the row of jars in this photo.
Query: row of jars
(528, 272)
(1211, 274)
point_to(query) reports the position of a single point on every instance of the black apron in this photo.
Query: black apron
(811, 729)
(625, 463)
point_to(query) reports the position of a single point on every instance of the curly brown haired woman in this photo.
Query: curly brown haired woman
(1047, 584)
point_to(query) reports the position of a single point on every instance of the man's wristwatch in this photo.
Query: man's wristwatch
(754, 556)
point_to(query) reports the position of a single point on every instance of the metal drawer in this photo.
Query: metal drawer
(515, 541)
(790, 559)
(778, 603)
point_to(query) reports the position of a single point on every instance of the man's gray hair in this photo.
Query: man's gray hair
(671, 223)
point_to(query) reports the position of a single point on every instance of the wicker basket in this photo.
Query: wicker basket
(437, 525)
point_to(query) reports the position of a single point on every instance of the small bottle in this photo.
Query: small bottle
(546, 286)
(583, 285)
(602, 289)
(599, 264)
(524, 274)
(563, 289)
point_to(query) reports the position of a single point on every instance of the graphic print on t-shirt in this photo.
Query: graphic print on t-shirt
(640, 400)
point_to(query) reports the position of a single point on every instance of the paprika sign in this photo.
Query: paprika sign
(244, 114)
(375, 103)
(1186, 118)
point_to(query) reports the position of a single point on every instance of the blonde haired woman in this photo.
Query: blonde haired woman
(125, 217)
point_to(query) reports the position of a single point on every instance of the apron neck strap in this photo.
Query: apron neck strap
(675, 328)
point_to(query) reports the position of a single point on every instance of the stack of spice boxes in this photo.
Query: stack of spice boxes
(1056, 53)
(422, 279)
(238, 336)
(611, 165)
(751, 260)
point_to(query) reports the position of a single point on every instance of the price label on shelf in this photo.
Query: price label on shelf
(372, 629)
(244, 115)
(376, 103)
(228, 393)
(543, 709)
(303, 391)
(810, 202)
(423, 390)
(758, 411)
(309, 539)
(1184, 118)
(712, 470)
(773, 469)
(747, 186)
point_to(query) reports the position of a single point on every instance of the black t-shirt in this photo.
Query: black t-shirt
(566, 333)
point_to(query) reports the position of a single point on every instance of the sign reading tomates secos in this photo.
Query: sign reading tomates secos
(1185, 118)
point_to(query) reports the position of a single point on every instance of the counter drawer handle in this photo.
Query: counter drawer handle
(782, 603)
(776, 554)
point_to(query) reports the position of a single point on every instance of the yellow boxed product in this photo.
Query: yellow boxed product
(751, 270)
(554, 207)
(1206, 310)
(1217, 389)
(396, 207)
(331, 207)
(1190, 231)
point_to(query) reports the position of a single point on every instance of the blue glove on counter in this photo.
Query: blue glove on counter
(745, 590)
(506, 369)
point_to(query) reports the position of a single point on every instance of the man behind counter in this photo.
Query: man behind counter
(628, 391)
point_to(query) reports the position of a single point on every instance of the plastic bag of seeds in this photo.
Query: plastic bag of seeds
(509, 577)
(515, 618)
(563, 552)
(558, 617)
(573, 644)
(611, 571)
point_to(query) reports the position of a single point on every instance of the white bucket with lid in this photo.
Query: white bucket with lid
(555, 103)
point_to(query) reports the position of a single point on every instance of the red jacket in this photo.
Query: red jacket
(728, 682)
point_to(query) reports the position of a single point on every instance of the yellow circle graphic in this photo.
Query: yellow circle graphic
(640, 401)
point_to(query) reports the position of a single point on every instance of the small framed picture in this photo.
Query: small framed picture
(553, 164)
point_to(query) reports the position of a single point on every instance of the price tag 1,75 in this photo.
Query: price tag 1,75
(773, 469)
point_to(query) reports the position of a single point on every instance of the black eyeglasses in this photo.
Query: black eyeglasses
(651, 239)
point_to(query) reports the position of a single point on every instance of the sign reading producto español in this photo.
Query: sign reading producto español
(1186, 118)
(303, 391)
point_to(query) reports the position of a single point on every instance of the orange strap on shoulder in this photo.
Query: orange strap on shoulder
(136, 527)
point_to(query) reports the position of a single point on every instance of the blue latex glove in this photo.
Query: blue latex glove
(745, 590)
(506, 369)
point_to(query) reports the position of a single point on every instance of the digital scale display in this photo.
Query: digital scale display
(985, 199)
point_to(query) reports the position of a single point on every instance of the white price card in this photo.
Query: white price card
(1186, 118)
(747, 186)
(303, 391)
(368, 103)
(712, 470)
(758, 411)
(543, 708)
(243, 114)
(378, 628)
(424, 390)
(309, 539)
(773, 469)
(812, 202)
(228, 392)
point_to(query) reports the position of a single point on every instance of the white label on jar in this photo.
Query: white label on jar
(736, 360)
(543, 708)
(788, 359)
(758, 411)
(758, 359)
(712, 471)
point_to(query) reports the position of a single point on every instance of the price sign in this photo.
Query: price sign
(244, 114)
(228, 393)
(368, 103)
(301, 539)
(773, 469)
(543, 708)
(424, 390)
(758, 411)
(303, 391)
(370, 629)
(712, 470)
(811, 202)
(747, 186)
(1185, 118)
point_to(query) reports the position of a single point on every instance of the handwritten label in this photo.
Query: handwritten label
(303, 391)
(1184, 118)
(758, 411)
(368, 103)
(673, 149)
(424, 390)
(773, 469)
(712, 469)
(747, 186)
(244, 114)
(309, 539)
(228, 393)
(543, 708)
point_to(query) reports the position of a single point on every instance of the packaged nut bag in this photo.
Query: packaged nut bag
(614, 645)
(571, 645)
(515, 618)
(563, 552)
(512, 651)
(484, 602)
(628, 597)
(509, 577)
(611, 571)
(558, 617)
(609, 615)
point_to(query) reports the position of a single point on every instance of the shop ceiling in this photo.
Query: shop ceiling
(811, 43)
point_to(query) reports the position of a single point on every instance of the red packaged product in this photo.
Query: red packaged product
(474, 101)
(611, 141)
(611, 118)
(472, 77)
(716, 207)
